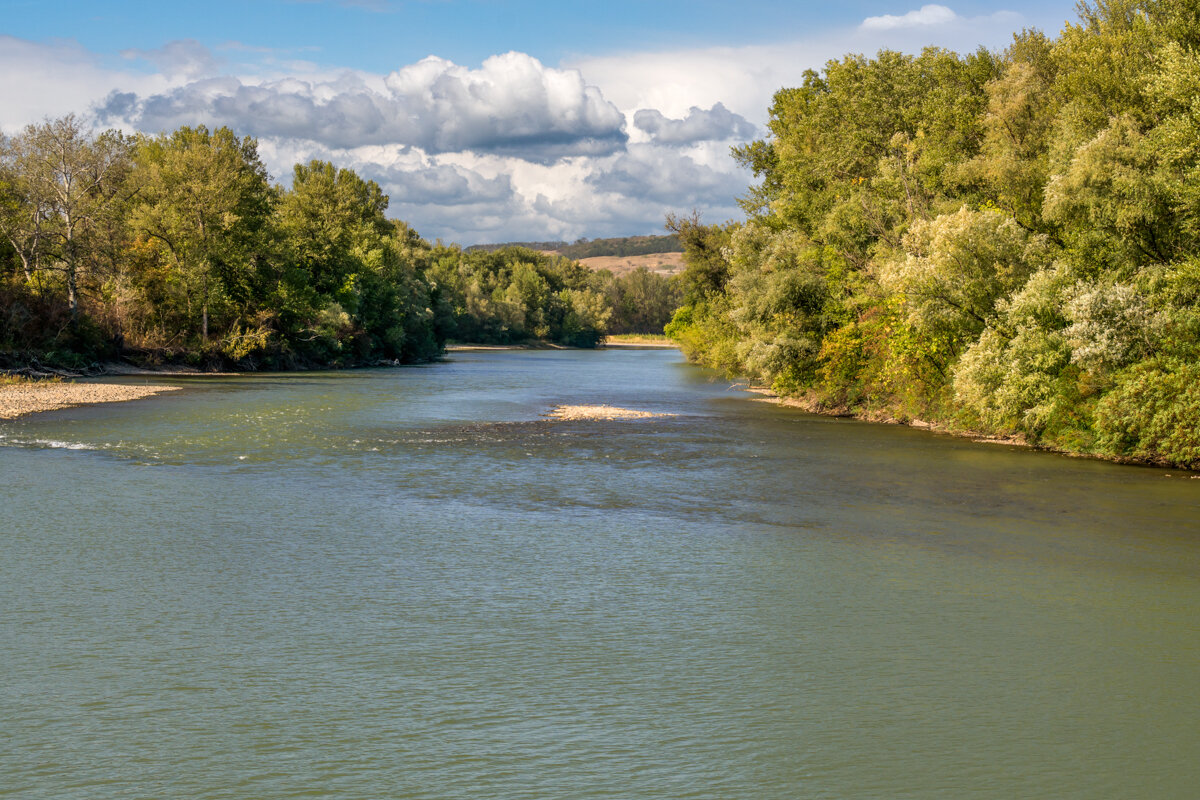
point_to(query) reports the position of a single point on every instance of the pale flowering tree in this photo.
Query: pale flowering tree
(1111, 326)
(958, 266)
(1007, 378)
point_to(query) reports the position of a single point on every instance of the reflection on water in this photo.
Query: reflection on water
(409, 583)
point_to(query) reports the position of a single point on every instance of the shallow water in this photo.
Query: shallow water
(408, 583)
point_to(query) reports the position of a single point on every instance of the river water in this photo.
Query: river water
(409, 584)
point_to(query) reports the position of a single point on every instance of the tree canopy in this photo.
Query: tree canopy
(1001, 242)
(180, 247)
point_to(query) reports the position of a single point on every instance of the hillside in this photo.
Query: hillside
(596, 248)
(661, 263)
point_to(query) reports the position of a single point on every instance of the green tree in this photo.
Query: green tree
(60, 181)
(204, 201)
(642, 301)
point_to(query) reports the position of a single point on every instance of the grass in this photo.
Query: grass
(18, 380)
(638, 338)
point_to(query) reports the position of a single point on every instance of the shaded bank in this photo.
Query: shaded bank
(812, 405)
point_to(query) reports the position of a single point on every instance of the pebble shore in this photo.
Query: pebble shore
(23, 398)
(600, 412)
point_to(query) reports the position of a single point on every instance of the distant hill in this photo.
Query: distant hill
(662, 263)
(593, 248)
(626, 246)
(545, 247)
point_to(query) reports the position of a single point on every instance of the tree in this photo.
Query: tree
(59, 182)
(958, 266)
(24, 213)
(642, 301)
(204, 200)
(327, 215)
(707, 270)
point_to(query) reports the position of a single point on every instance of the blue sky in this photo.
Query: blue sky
(531, 120)
(380, 35)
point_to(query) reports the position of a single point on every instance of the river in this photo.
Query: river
(407, 583)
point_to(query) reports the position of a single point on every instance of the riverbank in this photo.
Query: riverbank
(618, 341)
(640, 340)
(766, 395)
(21, 397)
(468, 346)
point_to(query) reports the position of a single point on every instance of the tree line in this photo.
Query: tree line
(591, 248)
(179, 247)
(1000, 242)
(622, 246)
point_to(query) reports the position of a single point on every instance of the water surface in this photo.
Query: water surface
(407, 583)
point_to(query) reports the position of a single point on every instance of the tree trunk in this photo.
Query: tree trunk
(204, 309)
(69, 258)
(72, 295)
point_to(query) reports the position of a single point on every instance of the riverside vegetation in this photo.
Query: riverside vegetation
(1004, 242)
(179, 248)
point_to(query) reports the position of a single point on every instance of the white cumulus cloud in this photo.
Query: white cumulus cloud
(511, 104)
(716, 124)
(510, 149)
(670, 177)
(744, 79)
(924, 16)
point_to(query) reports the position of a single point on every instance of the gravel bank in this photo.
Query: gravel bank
(31, 397)
(599, 412)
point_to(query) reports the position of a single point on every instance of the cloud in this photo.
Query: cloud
(744, 79)
(647, 172)
(441, 185)
(52, 79)
(716, 124)
(512, 104)
(926, 15)
(473, 198)
(509, 150)
(512, 149)
(186, 58)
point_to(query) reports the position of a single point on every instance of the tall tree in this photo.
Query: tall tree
(204, 199)
(24, 213)
(61, 180)
(330, 218)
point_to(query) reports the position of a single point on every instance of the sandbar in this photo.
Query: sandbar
(31, 397)
(571, 413)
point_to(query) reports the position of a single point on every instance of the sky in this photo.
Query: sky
(484, 121)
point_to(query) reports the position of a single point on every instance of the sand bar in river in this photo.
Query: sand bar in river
(600, 412)
(30, 397)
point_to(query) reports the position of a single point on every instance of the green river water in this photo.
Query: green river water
(407, 583)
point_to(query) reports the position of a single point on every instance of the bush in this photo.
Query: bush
(1151, 413)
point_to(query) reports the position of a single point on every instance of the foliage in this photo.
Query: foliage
(514, 294)
(178, 246)
(58, 188)
(1151, 413)
(203, 201)
(624, 246)
(592, 248)
(1003, 242)
(642, 301)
